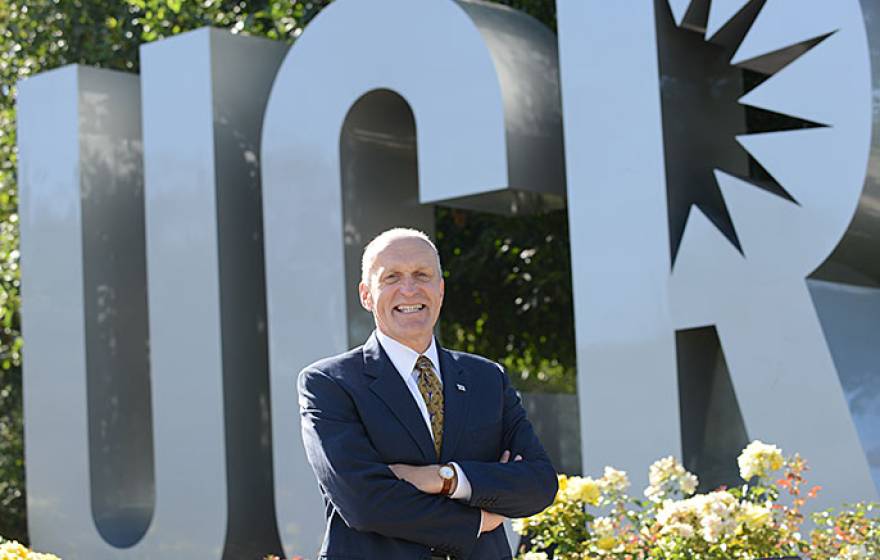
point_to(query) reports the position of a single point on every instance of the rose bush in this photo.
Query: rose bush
(595, 519)
(12, 550)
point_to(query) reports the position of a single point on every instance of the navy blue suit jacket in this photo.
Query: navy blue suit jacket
(358, 417)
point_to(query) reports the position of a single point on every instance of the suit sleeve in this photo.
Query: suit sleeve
(514, 489)
(359, 484)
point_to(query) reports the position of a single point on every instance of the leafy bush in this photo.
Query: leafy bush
(851, 533)
(596, 518)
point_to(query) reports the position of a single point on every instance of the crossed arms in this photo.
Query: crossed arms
(369, 496)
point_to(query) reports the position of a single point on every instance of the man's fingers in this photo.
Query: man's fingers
(491, 521)
(505, 457)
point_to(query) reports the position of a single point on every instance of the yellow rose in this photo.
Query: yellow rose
(12, 550)
(590, 491)
(754, 516)
(606, 543)
(583, 489)
(563, 484)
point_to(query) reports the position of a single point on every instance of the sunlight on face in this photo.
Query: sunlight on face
(405, 291)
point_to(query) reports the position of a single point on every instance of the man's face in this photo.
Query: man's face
(405, 292)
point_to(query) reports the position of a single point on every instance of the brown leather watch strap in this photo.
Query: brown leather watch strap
(449, 483)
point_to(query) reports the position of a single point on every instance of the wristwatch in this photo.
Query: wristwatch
(449, 477)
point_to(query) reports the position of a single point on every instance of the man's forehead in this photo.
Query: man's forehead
(408, 245)
(405, 251)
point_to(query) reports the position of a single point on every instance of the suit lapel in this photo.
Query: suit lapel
(455, 403)
(389, 387)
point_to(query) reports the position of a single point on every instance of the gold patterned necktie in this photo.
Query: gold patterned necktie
(432, 392)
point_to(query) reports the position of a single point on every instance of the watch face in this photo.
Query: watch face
(446, 472)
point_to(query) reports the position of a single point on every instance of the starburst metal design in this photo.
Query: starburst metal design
(709, 71)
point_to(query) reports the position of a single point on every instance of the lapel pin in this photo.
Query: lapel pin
(461, 387)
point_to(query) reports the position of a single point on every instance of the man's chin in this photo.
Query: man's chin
(411, 337)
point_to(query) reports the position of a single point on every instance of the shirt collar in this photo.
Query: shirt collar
(403, 357)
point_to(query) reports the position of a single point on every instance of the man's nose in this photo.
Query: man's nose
(408, 284)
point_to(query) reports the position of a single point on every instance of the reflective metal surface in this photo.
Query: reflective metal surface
(625, 335)
(203, 99)
(850, 318)
(380, 187)
(756, 296)
(83, 307)
(744, 253)
(855, 259)
(185, 346)
(204, 490)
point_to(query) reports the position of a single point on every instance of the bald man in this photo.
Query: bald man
(412, 443)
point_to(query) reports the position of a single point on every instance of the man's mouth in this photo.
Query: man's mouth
(405, 309)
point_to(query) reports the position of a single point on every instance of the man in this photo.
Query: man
(410, 442)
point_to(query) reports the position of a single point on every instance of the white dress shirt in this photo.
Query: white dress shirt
(404, 360)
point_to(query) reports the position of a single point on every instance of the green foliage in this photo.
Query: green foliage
(519, 312)
(274, 19)
(508, 294)
(850, 533)
(542, 10)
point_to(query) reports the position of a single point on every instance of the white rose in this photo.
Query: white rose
(614, 480)
(759, 459)
(604, 527)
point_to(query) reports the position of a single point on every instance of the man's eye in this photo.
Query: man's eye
(391, 278)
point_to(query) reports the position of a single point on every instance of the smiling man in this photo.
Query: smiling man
(410, 442)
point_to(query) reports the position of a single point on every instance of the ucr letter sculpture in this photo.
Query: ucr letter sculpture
(190, 238)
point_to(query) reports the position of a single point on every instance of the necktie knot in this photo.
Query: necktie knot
(423, 363)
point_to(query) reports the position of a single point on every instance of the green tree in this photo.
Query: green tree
(518, 296)
(508, 294)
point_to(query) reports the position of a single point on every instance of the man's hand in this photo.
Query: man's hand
(505, 457)
(426, 478)
(491, 521)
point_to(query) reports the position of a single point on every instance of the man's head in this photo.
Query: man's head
(402, 285)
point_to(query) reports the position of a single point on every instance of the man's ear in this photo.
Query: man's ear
(366, 296)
